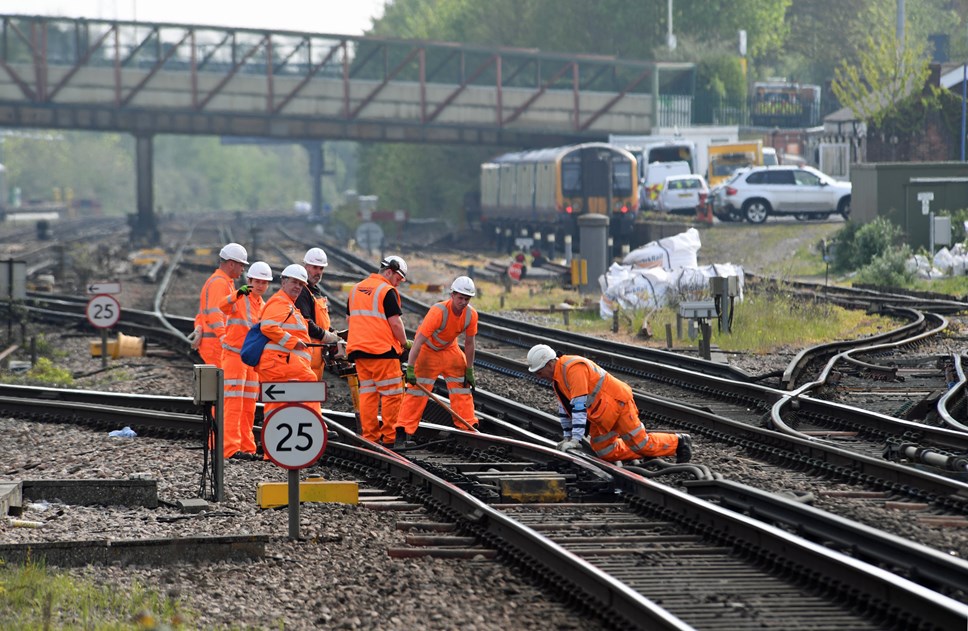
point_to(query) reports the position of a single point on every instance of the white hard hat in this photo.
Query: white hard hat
(538, 356)
(296, 271)
(234, 252)
(315, 256)
(464, 285)
(395, 263)
(259, 270)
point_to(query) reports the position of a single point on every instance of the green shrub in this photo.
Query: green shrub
(888, 268)
(858, 246)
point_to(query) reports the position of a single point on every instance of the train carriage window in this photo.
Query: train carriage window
(571, 185)
(621, 176)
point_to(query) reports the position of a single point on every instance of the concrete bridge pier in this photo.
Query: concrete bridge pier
(144, 230)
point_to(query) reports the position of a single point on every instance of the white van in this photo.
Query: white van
(655, 175)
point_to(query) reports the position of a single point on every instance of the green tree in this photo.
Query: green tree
(887, 71)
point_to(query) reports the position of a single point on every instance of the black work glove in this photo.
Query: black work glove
(244, 290)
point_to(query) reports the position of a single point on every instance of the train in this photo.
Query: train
(547, 190)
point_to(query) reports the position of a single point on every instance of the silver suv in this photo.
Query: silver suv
(804, 192)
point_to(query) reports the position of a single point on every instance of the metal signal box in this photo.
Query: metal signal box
(205, 383)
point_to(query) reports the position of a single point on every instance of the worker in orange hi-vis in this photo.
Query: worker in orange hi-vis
(375, 342)
(210, 321)
(286, 355)
(435, 352)
(591, 398)
(315, 308)
(242, 308)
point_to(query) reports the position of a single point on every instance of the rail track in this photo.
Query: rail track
(687, 560)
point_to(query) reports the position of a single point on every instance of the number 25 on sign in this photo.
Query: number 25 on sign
(293, 436)
(103, 311)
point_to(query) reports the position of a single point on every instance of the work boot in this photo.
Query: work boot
(684, 450)
(403, 440)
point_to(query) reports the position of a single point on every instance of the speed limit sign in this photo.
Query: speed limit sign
(103, 311)
(293, 436)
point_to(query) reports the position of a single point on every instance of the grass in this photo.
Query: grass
(34, 597)
(762, 323)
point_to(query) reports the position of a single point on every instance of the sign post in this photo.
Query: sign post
(103, 312)
(294, 437)
(925, 197)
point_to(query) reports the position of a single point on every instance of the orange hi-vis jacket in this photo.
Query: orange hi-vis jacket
(441, 327)
(369, 331)
(615, 431)
(241, 381)
(321, 318)
(210, 315)
(284, 325)
(240, 314)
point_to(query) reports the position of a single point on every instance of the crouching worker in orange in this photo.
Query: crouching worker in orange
(242, 309)
(435, 352)
(375, 342)
(590, 398)
(286, 356)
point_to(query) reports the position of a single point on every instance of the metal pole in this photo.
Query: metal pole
(964, 99)
(294, 504)
(218, 458)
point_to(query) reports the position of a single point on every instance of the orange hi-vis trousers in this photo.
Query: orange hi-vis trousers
(381, 390)
(451, 364)
(616, 433)
(241, 394)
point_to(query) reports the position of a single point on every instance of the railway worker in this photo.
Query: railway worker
(375, 342)
(435, 352)
(210, 318)
(286, 355)
(242, 309)
(314, 307)
(591, 398)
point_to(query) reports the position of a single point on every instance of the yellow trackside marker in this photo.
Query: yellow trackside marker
(275, 494)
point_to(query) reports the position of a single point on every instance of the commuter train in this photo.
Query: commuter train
(546, 190)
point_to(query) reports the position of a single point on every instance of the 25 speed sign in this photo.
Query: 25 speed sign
(293, 436)
(103, 311)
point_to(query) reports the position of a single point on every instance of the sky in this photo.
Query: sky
(341, 17)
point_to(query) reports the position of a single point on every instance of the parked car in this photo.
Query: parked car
(804, 192)
(682, 193)
(655, 175)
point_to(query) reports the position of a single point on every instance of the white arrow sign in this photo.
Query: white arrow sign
(104, 288)
(293, 391)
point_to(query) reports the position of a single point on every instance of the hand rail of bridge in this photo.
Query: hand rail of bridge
(49, 58)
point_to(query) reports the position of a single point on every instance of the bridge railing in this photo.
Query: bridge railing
(52, 61)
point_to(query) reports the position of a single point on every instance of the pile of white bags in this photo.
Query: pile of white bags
(946, 262)
(661, 273)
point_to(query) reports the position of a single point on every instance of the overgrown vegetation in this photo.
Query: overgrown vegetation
(43, 373)
(34, 597)
(857, 245)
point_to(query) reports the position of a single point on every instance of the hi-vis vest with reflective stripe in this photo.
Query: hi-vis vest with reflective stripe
(564, 389)
(281, 312)
(436, 341)
(369, 331)
(213, 291)
(241, 314)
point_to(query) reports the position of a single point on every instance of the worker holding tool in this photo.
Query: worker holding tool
(315, 308)
(589, 397)
(375, 342)
(435, 352)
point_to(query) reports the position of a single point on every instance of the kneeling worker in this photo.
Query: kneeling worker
(435, 352)
(590, 396)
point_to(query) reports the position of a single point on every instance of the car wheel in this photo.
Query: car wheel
(844, 208)
(756, 210)
(820, 216)
(802, 216)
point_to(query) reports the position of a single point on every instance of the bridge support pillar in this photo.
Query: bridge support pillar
(317, 169)
(144, 230)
